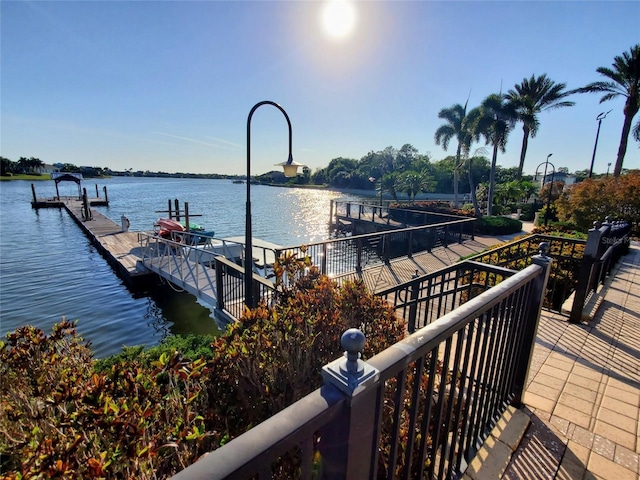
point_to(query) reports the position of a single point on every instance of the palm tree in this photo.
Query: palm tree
(455, 117)
(529, 98)
(624, 80)
(497, 120)
(413, 183)
(389, 184)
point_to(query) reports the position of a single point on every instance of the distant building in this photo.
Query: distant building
(46, 168)
(567, 178)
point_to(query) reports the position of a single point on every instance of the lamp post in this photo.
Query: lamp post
(290, 170)
(599, 118)
(608, 166)
(546, 163)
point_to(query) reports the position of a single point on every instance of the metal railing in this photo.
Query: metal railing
(352, 253)
(230, 288)
(389, 214)
(567, 254)
(426, 298)
(605, 245)
(206, 267)
(419, 409)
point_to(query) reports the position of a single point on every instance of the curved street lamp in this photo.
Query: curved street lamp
(290, 170)
(546, 163)
(599, 118)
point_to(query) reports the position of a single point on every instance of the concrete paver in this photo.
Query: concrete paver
(583, 395)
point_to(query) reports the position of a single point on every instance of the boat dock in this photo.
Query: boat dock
(120, 248)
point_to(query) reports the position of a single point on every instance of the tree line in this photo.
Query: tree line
(490, 124)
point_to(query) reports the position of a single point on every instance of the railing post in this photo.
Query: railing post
(532, 313)
(585, 277)
(331, 214)
(323, 263)
(219, 284)
(410, 242)
(414, 289)
(359, 255)
(347, 444)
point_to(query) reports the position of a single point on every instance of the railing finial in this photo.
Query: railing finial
(350, 373)
(543, 248)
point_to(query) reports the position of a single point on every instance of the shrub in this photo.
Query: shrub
(61, 420)
(150, 414)
(498, 225)
(527, 211)
(290, 343)
(594, 199)
(190, 346)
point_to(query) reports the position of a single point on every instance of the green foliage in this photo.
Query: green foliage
(148, 414)
(594, 199)
(498, 225)
(61, 420)
(274, 356)
(561, 229)
(190, 346)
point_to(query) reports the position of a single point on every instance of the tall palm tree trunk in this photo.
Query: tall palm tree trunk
(456, 177)
(492, 180)
(629, 112)
(472, 188)
(523, 150)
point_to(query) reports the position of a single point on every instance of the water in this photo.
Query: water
(49, 269)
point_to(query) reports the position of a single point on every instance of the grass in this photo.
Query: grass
(24, 176)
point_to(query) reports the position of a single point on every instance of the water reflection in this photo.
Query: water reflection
(49, 269)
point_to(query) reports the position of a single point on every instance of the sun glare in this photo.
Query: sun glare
(338, 18)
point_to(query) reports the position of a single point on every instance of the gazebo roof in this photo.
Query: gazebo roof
(66, 177)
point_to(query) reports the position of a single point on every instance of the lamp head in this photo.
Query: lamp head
(549, 156)
(290, 167)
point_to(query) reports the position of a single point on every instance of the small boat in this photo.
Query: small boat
(167, 226)
(194, 227)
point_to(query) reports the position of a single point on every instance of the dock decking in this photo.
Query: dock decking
(122, 250)
(382, 276)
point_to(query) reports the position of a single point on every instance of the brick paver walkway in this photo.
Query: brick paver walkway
(583, 395)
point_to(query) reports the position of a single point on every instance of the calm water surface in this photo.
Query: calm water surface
(49, 269)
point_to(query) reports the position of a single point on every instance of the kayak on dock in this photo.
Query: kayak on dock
(167, 226)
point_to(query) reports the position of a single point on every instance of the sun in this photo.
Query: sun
(338, 18)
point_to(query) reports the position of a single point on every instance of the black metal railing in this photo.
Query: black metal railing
(605, 245)
(352, 253)
(426, 298)
(388, 213)
(419, 409)
(230, 287)
(567, 254)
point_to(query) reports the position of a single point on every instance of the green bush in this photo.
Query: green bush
(62, 420)
(498, 225)
(148, 414)
(527, 211)
(190, 346)
(553, 215)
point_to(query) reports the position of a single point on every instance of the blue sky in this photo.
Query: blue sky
(167, 86)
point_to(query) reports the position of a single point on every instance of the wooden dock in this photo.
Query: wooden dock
(381, 276)
(122, 250)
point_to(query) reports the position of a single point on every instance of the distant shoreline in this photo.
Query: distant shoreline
(366, 193)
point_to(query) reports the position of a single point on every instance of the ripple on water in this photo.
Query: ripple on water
(48, 268)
